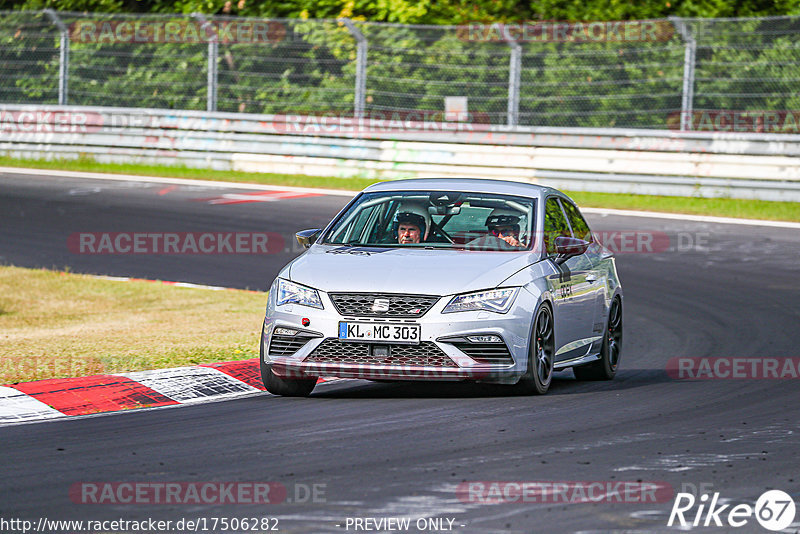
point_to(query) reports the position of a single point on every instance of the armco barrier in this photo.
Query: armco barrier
(740, 165)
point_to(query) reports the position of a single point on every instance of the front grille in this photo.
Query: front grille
(425, 354)
(360, 304)
(288, 345)
(485, 352)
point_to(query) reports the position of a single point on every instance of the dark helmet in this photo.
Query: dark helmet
(497, 218)
(411, 218)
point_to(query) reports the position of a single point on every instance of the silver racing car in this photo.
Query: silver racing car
(446, 279)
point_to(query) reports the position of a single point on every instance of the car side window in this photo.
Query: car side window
(381, 229)
(555, 225)
(357, 228)
(579, 227)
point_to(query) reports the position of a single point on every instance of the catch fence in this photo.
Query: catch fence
(682, 74)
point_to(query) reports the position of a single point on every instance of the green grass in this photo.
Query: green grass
(55, 324)
(722, 207)
(719, 207)
(181, 171)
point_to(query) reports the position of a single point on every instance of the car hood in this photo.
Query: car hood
(404, 270)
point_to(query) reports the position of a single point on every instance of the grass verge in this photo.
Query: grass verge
(55, 325)
(181, 171)
(721, 207)
(718, 207)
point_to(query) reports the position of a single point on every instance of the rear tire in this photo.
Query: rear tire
(606, 367)
(277, 385)
(541, 354)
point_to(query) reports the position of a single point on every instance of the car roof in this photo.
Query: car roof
(471, 185)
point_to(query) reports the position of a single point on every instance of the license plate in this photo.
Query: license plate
(379, 332)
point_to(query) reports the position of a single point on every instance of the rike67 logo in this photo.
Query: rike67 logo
(774, 510)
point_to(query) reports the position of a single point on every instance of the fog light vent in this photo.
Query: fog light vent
(488, 338)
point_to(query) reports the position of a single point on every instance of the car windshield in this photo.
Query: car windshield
(436, 219)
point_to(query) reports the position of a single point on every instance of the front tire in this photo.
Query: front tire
(277, 385)
(606, 367)
(541, 354)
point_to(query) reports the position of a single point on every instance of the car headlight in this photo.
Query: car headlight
(493, 300)
(291, 293)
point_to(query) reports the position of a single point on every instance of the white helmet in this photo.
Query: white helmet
(415, 214)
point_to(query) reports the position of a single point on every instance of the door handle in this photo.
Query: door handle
(591, 278)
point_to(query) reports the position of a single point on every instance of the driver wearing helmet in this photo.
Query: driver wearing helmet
(412, 225)
(504, 225)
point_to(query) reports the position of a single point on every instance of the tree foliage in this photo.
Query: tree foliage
(431, 11)
(747, 64)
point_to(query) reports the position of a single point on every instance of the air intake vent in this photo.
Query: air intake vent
(485, 352)
(287, 345)
(426, 354)
(388, 305)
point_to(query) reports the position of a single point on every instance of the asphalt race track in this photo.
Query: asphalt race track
(386, 450)
(38, 217)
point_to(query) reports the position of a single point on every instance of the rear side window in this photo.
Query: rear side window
(555, 225)
(579, 227)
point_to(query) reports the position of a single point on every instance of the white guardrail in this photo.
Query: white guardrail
(735, 165)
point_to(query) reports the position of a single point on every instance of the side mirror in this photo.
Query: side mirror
(306, 238)
(567, 247)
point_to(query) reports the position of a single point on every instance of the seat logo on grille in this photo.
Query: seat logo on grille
(380, 305)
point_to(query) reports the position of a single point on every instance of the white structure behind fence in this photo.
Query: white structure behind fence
(745, 165)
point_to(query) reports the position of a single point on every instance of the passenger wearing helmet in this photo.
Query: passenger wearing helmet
(410, 228)
(412, 223)
(504, 224)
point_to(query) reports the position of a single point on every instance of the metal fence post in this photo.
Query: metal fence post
(514, 74)
(63, 57)
(213, 54)
(361, 67)
(687, 99)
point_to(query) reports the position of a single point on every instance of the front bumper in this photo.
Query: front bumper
(322, 354)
